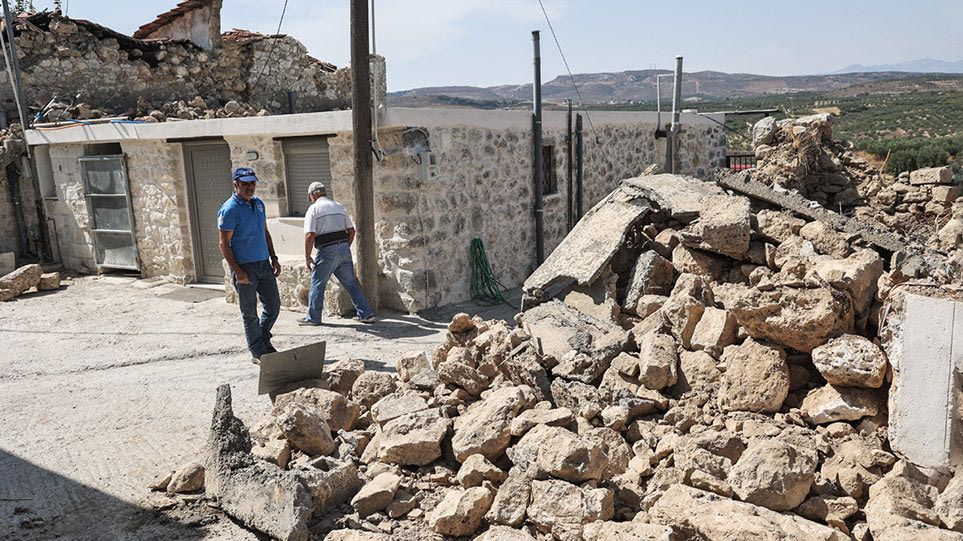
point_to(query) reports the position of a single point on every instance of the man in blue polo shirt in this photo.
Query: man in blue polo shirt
(246, 246)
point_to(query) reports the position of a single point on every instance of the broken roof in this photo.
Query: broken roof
(165, 19)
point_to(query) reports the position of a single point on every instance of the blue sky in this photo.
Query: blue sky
(488, 42)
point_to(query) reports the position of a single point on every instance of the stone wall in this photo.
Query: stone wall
(62, 57)
(68, 211)
(482, 187)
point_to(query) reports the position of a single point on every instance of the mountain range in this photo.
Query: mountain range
(639, 85)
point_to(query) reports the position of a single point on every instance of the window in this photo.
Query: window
(549, 177)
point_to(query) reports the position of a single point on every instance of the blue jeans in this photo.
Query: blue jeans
(335, 259)
(263, 285)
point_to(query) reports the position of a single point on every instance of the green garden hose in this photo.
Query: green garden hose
(485, 289)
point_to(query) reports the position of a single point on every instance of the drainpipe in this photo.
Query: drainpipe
(537, 128)
(46, 254)
(670, 147)
(578, 167)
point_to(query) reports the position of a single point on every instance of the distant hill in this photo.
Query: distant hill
(925, 65)
(638, 86)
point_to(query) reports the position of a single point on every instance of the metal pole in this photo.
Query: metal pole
(361, 127)
(676, 102)
(24, 122)
(291, 106)
(578, 167)
(537, 121)
(568, 147)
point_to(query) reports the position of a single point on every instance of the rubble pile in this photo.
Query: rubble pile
(194, 109)
(800, 155)
(26, 278)
(688, 365)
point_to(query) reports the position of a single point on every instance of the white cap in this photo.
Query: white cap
(316, 187)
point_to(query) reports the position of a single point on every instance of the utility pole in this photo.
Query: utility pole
(46, 253)
(537, 143)
(361, 127)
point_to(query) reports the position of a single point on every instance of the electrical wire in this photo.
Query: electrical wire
(271, 53)
(569, 70)
(484, 288)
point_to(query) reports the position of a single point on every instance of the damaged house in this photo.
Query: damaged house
(143, 195)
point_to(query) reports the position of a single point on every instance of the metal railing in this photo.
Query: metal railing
(741, 162)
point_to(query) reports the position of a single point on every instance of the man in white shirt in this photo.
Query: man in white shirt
(328, 228)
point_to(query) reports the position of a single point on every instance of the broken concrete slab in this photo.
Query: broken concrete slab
(677, 195)
(923, 338)
(588, 248)
(256, 493)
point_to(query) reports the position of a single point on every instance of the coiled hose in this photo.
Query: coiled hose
(484, 288)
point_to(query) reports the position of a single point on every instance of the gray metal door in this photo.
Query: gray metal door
(109, 211)
(209, 184)
(306, 160)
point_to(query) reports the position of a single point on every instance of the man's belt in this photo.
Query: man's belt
(326, 239)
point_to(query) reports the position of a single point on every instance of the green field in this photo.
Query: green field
(916, 129)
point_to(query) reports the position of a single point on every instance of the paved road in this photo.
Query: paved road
(110, 381)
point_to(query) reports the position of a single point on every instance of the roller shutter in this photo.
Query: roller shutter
(306, 160)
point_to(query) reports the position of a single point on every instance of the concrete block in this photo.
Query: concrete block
(923, 338)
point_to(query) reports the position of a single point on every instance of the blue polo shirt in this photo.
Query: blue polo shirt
(246, 220)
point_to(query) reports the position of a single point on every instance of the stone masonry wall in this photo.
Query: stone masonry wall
(61, 57)
(482, 188)
(69, 210)
(159, 200)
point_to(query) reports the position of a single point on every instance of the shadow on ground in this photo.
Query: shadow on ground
(36, 504)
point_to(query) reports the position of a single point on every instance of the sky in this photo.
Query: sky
(489, 42)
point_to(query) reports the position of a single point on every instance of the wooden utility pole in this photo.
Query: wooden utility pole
(361, 125)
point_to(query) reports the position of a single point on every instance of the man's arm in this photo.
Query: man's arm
(308, 244)
(274, 258)
(350, 231)
(224, 243)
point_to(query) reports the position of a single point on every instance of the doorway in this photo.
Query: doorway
(209, 186)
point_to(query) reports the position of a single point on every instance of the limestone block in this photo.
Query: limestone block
(858, 274)
(413, 439)
(335, 410)
(830, 404)
(932, 175)
(851, 361)
(460, 511)
(371, 387)
(396, 405)
(504, 533)
(551, 417)
(724, 225)
(49, 281)
(651, 275)
(512, 499)
(304, 426)
(826, 239)
(774, 474)
(763, 131)
(376, 494)
(697, 511)
(187, 478)
(756, 377)
(658, 361)
(563, 509)
(412, 363)
(22, 279)
(716, 330)
(485, 426)
(477, 469)
(560, 453)
(686, 305)
(627, 531)
(686, 259)
(944, 194)
(901, 506)
(949, 505)
(597, 300)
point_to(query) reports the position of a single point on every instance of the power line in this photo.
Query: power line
(579, 94)
(273, 46)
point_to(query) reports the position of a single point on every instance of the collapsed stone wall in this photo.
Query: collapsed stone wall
(62, 57)
(688, 364)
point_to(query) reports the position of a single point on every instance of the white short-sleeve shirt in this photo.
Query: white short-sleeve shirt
(326, 216)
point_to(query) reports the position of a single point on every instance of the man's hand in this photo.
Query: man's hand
(276, 266)
(309, 262)
(241, 277)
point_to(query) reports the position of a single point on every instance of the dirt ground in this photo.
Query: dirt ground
(110, 381)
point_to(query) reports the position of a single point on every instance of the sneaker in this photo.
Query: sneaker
(369, 319)
(256, 360)
(305, 322)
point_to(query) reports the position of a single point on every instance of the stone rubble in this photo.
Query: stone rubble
(26, 278)
(748, 401)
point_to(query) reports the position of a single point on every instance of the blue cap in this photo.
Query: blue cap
(245, 174)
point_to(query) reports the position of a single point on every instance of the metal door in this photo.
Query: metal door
(109, 212)
(209, 183)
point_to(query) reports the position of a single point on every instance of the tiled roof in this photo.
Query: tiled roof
(166, 18)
